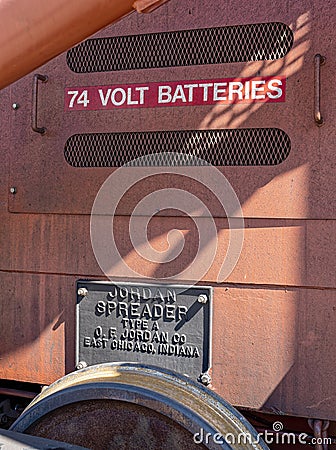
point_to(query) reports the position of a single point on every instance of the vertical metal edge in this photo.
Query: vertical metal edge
(211, 290)
(77, 324)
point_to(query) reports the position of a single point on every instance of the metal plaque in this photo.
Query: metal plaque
(163, 325)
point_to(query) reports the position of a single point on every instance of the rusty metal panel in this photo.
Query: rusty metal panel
(255, 187)
(274, 321)
(277, 336)
(285, 253)
(274, 349)
(37, 327)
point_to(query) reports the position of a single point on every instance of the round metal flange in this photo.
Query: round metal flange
(129, 405)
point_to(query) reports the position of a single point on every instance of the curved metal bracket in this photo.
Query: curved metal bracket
(37, 78)
(319, 60)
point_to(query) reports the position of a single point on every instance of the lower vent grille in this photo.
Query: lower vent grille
(239, 147)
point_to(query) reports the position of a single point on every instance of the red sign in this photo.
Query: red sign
(176, 93)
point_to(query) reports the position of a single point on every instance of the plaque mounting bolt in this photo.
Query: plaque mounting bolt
(202, 299)
(81, 365)
(82, 292)
(15, 106)
(205, 379)
(13, 190)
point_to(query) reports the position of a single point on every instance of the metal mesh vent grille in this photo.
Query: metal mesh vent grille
(264, 41)
(242, 147)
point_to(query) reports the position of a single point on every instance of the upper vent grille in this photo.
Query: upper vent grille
(240, 147)
(255, 42)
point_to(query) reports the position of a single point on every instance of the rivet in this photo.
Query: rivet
(82, 292)
(205, 379)
(202, 298)
(81, 365)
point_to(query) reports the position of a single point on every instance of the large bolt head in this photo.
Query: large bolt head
(81, 365)
(82, 292)
(205, 379)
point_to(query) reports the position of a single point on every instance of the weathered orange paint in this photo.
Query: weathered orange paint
(33, 31)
